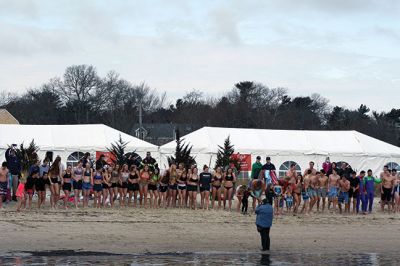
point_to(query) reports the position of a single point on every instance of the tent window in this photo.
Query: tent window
(286, 166)
(393, 165)
(74, 158)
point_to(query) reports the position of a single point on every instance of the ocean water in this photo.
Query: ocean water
(256, 258)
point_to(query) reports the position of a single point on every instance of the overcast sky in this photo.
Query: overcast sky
(346, 50)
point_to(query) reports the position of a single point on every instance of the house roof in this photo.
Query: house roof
(7, 118)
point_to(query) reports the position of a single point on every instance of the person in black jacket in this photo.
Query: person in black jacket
(150, 161)
(14, 166)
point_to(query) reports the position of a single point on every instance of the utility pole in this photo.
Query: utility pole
(141, 132)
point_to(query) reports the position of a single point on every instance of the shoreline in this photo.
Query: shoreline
(148, 231)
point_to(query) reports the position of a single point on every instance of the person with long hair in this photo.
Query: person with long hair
(54, 175)
(44, 168)
(97, 186)
(77, 182)
(163, 189)
(205, 186)
(182, 178)
(229, 181)
(192, 187)
(153, 182)
(396, 193)
(123, 185)
(66, 185)
(87, 184)
(112, 179)
(143, 185)
(173, 186)
(133, 185)
(40, 187)
(297, 187)
(114, 183)
(106, 186)
(216, 187)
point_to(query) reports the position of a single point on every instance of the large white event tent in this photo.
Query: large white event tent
(70, 141)
(284, 146)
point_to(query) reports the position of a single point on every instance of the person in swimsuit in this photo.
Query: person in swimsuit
(133, 185)
(66, 185)
(109, 181)
(30, 186)
(306, 197)
(216, 187)
(205, 186)
(257, 187)
(123, 185)
(21, 194)
(44, 168)
(333, 184)
(182, 177)
(106, 186)
(173, 186)
(229, 181)
(396, 193)
(4, 187)
(163, 189)
(143, 184)
(192, 186)
(344, 186)
(54, 175)
(297, 186)
(354, 190)
(153, 182)
(97, 186)
(114, 182)
(278, 198)
(87, 184)
(386, 189)
(77, 182)
(40, 187)
(322, 189)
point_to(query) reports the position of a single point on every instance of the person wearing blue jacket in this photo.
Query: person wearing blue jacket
(369, 184)
(265, 214)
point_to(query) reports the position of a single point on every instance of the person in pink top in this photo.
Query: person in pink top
(327, 166)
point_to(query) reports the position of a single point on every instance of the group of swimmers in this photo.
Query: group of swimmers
(143, 185)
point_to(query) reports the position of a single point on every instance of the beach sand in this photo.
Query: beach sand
(131, 230)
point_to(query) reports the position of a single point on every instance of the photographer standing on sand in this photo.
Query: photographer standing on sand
(265, 214)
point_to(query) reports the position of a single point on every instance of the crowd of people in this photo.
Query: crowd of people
(140, 184)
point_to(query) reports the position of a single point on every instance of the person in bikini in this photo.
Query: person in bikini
(163, 188)
(106, 186)
(322, 191)
(3, 183)
(123, 185)
(87, 184)
(229, 180)
(143, 185)
(257, 186)
(133, 185)
(333, 184)
(297, 187)
(173, 185)
(192, 187)
(182, 178)
(114, 183)
(216, 187)
(66, 185)
(153, 183)
(344, 186)
(77, 182)
(40, 187)
(55, 173)
(97, 186)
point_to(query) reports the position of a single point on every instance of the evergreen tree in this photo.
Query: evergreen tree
(224, 156)
(27, 156)
(182, 153)
(118, 151)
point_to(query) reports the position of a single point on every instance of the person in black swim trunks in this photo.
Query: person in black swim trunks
(133, 185)
(192, 186)
(77, 182)
(205, 186)
(66, 185)
(216, 187)
(229, 180)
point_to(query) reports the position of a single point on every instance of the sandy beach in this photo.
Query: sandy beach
(130, 231)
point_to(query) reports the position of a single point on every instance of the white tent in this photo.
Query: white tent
(70, 141)
(284, 146)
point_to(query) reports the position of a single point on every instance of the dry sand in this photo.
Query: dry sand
(175, 230)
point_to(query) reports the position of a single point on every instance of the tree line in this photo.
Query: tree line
(82, 96)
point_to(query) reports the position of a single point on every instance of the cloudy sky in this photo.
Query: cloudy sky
(346, 50)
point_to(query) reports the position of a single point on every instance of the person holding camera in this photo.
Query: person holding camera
(265, 214)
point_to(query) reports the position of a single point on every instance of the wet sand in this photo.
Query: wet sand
(127, 231)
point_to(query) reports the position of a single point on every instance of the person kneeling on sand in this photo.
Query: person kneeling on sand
(265, 214)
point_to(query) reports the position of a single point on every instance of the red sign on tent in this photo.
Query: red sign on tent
(109, 156)
(244, 161)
